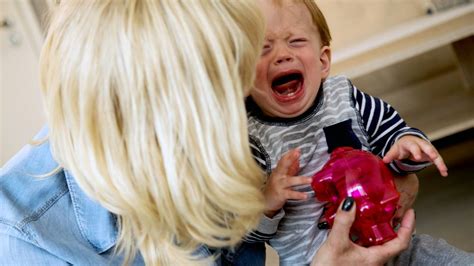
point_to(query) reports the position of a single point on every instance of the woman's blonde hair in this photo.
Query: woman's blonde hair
(144, 100)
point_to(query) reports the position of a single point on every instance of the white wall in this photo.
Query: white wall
(352, 21)
(21, 113)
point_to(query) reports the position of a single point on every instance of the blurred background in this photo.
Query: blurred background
(418, 55)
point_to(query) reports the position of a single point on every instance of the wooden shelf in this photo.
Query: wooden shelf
(439, 106)
(424, 68)
(405, 41)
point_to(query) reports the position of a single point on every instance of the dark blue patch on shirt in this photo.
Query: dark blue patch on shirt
(341, 135)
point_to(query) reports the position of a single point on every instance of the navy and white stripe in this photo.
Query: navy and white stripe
(268, 226)
(384, 126)
(259, 154)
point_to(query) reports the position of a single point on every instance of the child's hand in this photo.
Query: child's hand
(279, 187)
(417, 150)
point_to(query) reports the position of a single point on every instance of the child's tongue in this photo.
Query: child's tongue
(287, 88)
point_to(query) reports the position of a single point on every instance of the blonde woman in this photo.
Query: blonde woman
(147, 145)
(146, 158)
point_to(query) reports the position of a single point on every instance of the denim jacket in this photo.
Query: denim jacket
(50, 220)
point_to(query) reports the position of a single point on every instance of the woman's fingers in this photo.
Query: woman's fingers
(402, 241)
(340, 250)
(407, 226)
(345, 216)
(408, 187)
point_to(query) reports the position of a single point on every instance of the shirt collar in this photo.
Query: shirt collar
(254, 110)
(97, 225)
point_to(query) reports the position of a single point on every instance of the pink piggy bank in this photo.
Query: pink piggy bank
(363, 176)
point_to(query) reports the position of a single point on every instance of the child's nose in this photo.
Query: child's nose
(283, 56)
(283, 59)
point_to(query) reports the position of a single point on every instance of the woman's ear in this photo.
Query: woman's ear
(325, 61)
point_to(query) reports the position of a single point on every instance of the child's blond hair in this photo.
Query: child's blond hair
(318, 19)
(144, 100)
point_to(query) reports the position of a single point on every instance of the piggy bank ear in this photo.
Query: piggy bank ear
(324, 187)
(326, 191)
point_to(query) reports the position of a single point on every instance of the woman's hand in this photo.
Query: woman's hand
(408, 187)
(338, 249)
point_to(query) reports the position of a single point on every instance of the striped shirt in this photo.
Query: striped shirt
(341, 113)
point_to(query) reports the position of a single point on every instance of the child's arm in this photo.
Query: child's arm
(278, 189)
(289, 165)
(385, 127)
(279, 186)
(416, 150)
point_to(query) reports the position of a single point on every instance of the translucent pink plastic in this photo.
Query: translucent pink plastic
(365, 177)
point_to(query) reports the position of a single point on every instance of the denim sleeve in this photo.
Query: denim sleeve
(14, 251)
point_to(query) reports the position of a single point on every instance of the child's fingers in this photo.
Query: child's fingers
(429, 150)
(404, 152)
(415, 152)
(287, 162)
(295, 195)
(291, 181)
(439, 162)
(294, 168)
(397, 152)
(435, 157)
(391, 155)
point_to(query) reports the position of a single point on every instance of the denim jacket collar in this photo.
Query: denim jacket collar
(98, 226)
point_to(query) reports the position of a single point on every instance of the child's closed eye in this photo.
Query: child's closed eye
(266, 48)
(298, 41)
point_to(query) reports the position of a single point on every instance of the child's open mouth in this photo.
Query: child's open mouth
(288, 87)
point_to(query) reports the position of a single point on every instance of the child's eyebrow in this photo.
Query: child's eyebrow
(269, 39)
(272, 37)
(293, 35)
